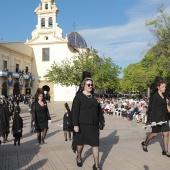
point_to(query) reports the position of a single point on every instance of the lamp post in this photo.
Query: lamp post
(148, 90)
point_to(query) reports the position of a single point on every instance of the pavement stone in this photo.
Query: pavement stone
(120, 147)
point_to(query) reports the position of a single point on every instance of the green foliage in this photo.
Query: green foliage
(69, 72)
(156, 62)
(135, 78)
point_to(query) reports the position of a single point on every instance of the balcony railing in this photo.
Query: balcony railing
(4, 73)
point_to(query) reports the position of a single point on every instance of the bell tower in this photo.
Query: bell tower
(47, 21)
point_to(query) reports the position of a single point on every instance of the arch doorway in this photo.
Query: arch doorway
(27, 89)
(4, 89)
(46, 90)
(16, 90)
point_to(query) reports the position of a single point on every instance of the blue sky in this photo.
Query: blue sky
(116, 28)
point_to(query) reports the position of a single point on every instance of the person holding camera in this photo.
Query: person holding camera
(87, 118)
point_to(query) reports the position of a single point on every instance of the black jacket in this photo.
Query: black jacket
(86, 110)
(17, 123)
(4, 118)
(158, 108)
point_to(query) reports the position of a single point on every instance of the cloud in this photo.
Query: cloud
(124, 43)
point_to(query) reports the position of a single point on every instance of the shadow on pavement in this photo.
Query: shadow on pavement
(24, 155)
(37, 165)
(156, 139)
(106, 145)
(146, 167)
(56, 120)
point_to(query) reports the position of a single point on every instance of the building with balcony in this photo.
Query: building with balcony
(15, 69)
(23, 66)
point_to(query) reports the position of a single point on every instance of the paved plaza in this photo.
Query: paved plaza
(120, 147)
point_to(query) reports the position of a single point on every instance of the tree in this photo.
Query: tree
(69, 72)
(106, 76)
(157, 60)
(160, 28)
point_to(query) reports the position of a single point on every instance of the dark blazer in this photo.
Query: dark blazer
(158, 107)
(86, 110)
(17, 123)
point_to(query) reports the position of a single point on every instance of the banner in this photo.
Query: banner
(10, 78)
(30, 82)
(21, 80)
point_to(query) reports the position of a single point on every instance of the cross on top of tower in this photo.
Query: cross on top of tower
(74, 27)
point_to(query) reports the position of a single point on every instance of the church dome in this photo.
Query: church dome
(76, 40)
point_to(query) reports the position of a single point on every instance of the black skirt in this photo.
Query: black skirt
(161, 128)
(88, 135)
(17, 134)
(67, 127)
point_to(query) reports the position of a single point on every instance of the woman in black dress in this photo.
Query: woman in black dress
(40, 117)
(67, 123)
(86, 115)
(11, 108)
(159, 112)
(17, 126)
(4, 116)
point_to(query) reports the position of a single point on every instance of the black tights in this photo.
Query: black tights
(95, 151)
(5, 136)
(165, 139)
(15, 141)
(43, 135)
(65, 135)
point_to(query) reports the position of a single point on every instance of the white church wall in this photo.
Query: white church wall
(64, 93)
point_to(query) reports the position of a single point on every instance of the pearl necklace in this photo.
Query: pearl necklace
(89, 96)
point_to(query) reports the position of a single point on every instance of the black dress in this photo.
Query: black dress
(66, 122)
(17, 126)
(86, 113)
(41, 117)
(4, 119)
(159, 113)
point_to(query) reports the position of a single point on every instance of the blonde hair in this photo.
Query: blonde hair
(84, 82)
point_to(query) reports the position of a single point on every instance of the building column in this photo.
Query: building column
(10, 90)
(22, 90)
(1, 81)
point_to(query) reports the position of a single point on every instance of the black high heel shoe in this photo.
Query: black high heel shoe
(166, 153)
(144, 146)
(79, 162)
(94, 167)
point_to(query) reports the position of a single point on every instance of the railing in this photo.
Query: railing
(4, 73)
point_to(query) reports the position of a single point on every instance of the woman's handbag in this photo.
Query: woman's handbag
(101, 125)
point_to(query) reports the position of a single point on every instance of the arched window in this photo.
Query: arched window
(46, 6)
(50, 22)
(43, 22)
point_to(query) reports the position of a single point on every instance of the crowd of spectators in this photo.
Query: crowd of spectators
(130, 109)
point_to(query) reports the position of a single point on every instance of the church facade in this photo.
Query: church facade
(39, 53)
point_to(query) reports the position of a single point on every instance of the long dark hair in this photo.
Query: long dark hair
(39, 90)
(154, 84)
(17, 109)
(67, 107)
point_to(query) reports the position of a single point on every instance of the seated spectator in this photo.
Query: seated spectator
(134, 109)
(112, 108)
(142, 114)
(107, 108)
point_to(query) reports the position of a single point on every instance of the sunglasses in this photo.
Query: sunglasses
(89, 85)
